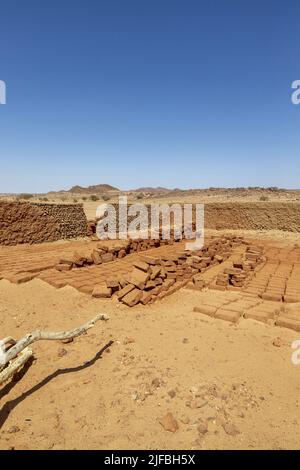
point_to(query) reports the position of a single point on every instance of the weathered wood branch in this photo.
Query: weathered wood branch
(16, 365)
(44, 335)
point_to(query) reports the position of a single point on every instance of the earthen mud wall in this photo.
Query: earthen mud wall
(246, 216)
(253, 216)
(23, 222)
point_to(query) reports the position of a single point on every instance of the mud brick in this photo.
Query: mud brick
(228, 315)
(169, 265)
(156, 290)
(188, 269)
(180, 270)
(237, 263)
(150, 260)
(186, 276)
(86, 289)
(234, 288)
(113, 283)
(125, 290)
(103, 247)
(155, 271)
(232, 271)
(66, 261)
(206, 310)
(198, 281)
(115, 249)
(101, 252)
(206, 259)
(149, 285)
(251, 256)
(102, 292)
(289, 298)
(63, 267)
(254, 290)
(122, 253)
(288, 323)
(173, 288)
(217, 287)
(158, 281)
(172, 275)
(182, 255)
(167, 284)
(141, 265)
(191, 286)
(133, 297)
(122, 281)
(78, 259)
(96, 257)
(139, 278)
(21, 277)
(107, 257)
(58, 283)
(271, 296)
(146, 297)
(219, 258)
(235, 283)
(259, 315)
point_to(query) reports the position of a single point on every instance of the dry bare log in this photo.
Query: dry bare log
(15, 365)
(13, 351)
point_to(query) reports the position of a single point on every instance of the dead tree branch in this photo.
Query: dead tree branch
(44, 335)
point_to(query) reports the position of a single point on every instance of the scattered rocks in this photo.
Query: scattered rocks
(172, 393)
(169, 423)
(156, 382)
(277, 342)
(62, 352)
(128, 340)
(202, 427)
(230, 429)
(13, 429)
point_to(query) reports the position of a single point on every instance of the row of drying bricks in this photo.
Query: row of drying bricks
(276, 282)
(248, 308)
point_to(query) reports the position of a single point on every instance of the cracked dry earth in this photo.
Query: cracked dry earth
(158, 376)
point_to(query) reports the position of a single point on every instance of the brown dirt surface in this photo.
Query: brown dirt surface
(158, 376)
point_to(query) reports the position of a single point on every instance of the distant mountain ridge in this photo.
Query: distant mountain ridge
(97, 188)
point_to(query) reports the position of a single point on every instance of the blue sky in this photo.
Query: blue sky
(176, 93)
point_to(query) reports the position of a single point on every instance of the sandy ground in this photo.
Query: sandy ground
(227, 386)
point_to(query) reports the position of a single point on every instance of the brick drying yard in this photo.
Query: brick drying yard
(196, 352)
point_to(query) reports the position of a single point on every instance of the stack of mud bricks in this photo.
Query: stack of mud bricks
(235, 277)
(24, 222)
(105, 254)
(154, 278)
(292, 291)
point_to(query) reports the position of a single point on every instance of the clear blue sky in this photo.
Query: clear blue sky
(176, 93)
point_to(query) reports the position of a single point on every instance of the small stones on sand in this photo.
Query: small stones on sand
(169, 423)
(13, 429)
(156, 382)
(62, 352)
(277, 342)
(230, 429)
(172, 393)
(202, 427)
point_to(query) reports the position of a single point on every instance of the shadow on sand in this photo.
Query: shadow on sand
(11, 405)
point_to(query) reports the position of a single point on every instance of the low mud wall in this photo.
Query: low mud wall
(243, 216)
(253, 216)
(23, 222)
